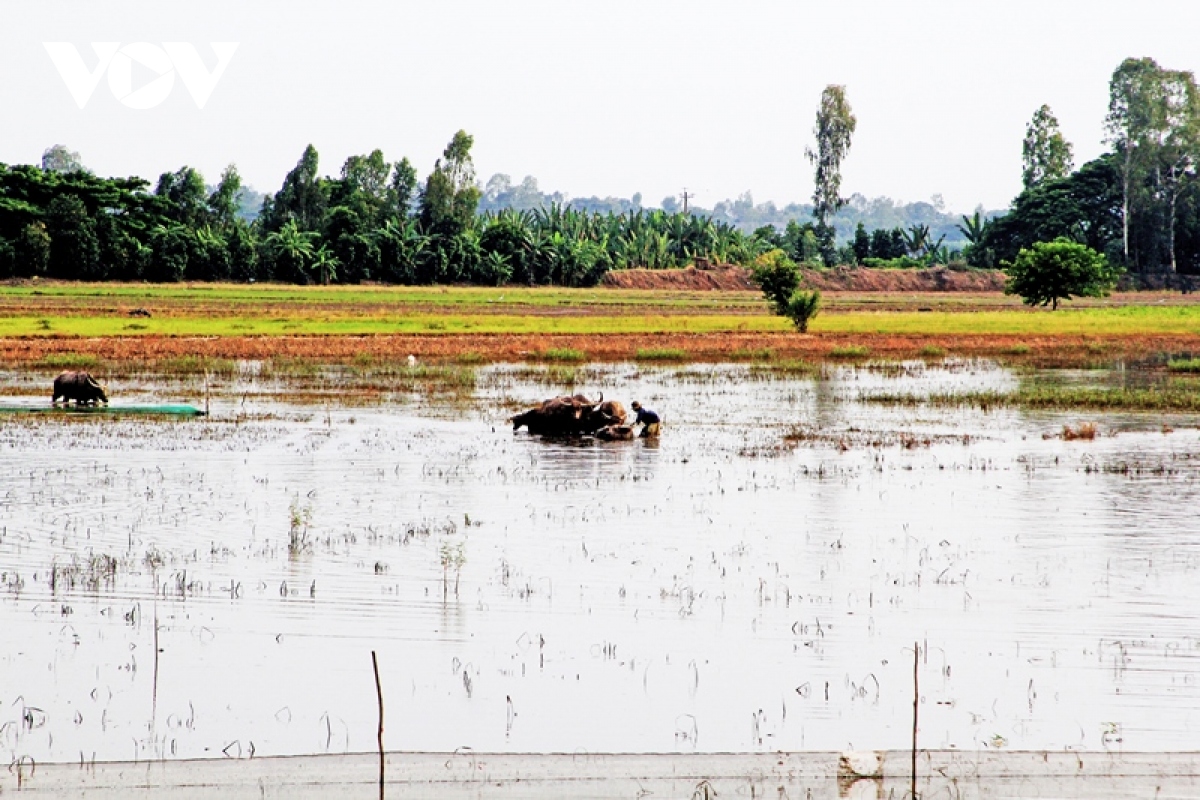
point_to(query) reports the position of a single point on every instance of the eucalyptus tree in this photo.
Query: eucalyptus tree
(1132, 116)
(1045, 154)
(1154, 125)
(833, 130)
(1179, 146)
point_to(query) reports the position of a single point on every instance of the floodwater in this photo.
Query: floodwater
(754, 581)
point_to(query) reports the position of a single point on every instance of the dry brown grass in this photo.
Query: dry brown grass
(1050, 351)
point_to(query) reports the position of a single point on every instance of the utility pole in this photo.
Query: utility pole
(686, 197)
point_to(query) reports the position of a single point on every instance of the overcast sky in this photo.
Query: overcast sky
(592, 98)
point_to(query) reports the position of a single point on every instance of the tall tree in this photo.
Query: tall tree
(403, 188)
(1128, 126)
(302, 198)
(1045, 154)
(450, 198)
(223, 203)
(835, 125)
(1179, 147)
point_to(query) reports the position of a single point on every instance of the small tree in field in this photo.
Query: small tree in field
(777, 276)
(1059, 270)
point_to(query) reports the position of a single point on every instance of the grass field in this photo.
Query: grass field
(40, 320)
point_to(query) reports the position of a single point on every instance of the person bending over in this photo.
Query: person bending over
(649, 420)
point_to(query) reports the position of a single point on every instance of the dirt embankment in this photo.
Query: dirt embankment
(841, 279)
(724, 279)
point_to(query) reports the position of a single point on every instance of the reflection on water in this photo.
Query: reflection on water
(215, 588)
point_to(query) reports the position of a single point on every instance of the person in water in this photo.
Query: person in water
(649, 420)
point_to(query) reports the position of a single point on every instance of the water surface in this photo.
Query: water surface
(755, 580)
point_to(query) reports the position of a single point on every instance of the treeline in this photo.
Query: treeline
(1138, 204)
(743, 213)
(374, 222)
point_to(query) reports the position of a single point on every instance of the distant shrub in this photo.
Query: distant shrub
(850, 351)
(933, 351)
(779, 279)
(562, 354)
(903, 262)
(802, 307)
(1184, 365)
(761, 354)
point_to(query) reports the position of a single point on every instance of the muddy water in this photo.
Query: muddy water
(756, 580)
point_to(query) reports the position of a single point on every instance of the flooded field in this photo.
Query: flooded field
(754, 581)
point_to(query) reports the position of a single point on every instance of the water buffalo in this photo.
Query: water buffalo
(606, 414)
(615, 433)
(573, 415)
(80, 387)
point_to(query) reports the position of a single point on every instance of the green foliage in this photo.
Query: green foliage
(69, 361)
(1045, 154)
(1058, 270)
(1153, 124)
(74, 247)
(450, 197)
(862, 244)
(902, 262)
(1083, 207)
(563, 355)
(660, 354)
(977, 253)
(1184, 365)
(31, 251)
(778, 277)
(802, 307)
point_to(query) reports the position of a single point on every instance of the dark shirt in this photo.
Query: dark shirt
(646, 416)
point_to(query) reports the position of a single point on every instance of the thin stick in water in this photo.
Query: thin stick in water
(379, 695)
(916, 703)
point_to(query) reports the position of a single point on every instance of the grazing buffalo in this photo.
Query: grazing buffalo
(574, 415)
(80, 387)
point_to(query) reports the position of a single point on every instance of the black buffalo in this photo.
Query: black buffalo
(573, 415)
(80, 387)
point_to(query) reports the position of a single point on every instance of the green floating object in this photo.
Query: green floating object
(166, 410)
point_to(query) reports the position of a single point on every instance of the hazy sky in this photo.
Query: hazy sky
(592, 98)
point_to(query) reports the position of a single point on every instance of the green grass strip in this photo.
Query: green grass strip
(1184, 399)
